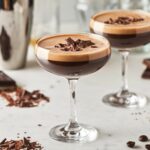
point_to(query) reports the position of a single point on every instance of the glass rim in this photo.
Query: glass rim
(98, 26)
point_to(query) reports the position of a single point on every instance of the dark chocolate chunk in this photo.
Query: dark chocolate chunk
(3, 141)
(146, 74)
(147, 146)
(147, 62)
(131, 144)
(143, 138)
(6, 82)
(5, 44)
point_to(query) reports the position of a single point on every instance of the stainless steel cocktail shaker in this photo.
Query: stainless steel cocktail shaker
(15, 29)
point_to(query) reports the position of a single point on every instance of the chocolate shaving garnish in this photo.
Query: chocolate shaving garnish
(123, 20)
(22, 144)
(75, 45)
(70, 41)
(56, 46)
(23, 98)
(84, 44)
(93, 46)
(62, 45)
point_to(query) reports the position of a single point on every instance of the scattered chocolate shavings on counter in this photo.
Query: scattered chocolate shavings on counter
(139, 114)
(23, 98)
(75, 45)
(22, 144)
(39, 125)
(123, 20)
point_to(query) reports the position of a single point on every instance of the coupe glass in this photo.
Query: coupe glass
(124, 38)
(72, 70)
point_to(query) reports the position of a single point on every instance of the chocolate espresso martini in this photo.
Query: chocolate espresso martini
(125, 29)
(71, 56)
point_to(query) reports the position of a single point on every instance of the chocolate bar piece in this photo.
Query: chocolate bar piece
(6, 83)
(146, 74)
(147, 62)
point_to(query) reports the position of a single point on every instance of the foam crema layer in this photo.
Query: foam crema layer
(98, 25)
(45, 48)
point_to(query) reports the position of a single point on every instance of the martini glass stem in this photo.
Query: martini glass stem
(73, 121)
(124, 72)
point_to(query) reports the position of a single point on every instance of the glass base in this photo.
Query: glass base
(125, 99)
(78, 134)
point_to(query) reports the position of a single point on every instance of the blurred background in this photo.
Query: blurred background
(49, 17)
(58, 16)
(78, 12)
(61, 16)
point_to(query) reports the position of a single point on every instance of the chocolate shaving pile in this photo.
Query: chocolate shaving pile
(23, 98)
(123, 20)
(23, 144)
(75, 45)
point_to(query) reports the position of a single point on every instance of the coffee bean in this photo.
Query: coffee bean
(147, 146)
(131, 144)
(143, 138)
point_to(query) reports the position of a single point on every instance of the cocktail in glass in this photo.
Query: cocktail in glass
(125, 29)
(72, 56)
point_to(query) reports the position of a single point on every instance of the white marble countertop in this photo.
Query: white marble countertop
(116, 125)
